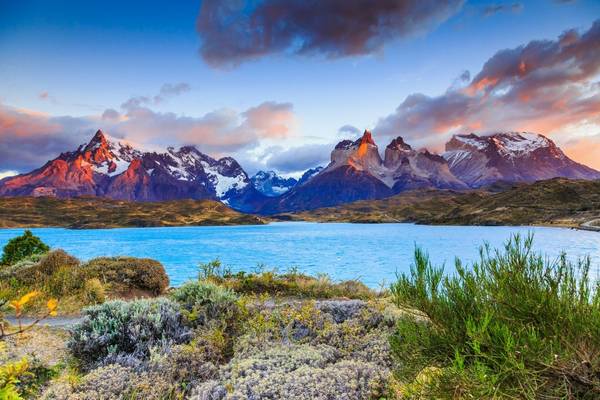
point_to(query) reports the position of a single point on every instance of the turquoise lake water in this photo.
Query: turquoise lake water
(372, 253)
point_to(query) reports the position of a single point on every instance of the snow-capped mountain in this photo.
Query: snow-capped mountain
(308, 174)
(272, 185)
(510, 156)
(357, 172)
(112, 168)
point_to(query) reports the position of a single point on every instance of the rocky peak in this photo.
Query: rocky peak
(396, 152)
(366, 138)
(344, 145)
(98, 141)
(399, 144)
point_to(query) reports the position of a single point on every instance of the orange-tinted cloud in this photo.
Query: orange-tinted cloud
(544, 86)
(29, 139)
(586, 150)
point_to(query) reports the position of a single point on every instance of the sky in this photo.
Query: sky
(277, 83)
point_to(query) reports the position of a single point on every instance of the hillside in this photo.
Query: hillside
(552, 202)
(94, 212)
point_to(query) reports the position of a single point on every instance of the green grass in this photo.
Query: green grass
(515, 325)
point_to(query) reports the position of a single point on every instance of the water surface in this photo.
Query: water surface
(369, 252)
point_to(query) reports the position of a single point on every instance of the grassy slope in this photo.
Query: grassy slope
(104, 213)
(552, 202)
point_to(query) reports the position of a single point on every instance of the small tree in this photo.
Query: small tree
(22, 247)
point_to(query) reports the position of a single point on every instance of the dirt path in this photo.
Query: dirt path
(55, 322)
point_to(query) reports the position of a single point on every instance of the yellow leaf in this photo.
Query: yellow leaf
(25, 299)
(52, 305)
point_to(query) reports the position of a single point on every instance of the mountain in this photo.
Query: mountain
(111, 168)
(357, 172)
(512, 157)
(272, 185)
(308, 174)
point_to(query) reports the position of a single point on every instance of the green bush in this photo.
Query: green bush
(125, 332)
(129, 272)
(291, 283)
(204, 301)
(514, 325)
(22, 247)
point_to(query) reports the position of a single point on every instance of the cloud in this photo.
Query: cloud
(584, 149)
(43, 95)
(299, 158)
(235, 31)
(349, 130)
(6, 174)
(544, 86)
(493, 9)
(28, 139)
(167, 91)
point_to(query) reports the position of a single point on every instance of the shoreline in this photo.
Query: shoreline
(586, 226)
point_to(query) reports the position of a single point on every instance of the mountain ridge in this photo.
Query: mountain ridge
(113, 168)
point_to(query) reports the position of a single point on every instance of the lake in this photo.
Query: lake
(369, 252)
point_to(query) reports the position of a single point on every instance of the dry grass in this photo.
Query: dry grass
(92, 212)
(555, 202)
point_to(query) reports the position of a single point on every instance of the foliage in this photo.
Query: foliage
(18, 306)
(295, 372)
(10, 375)
(513, 325)
(93, 291)
(129, 272)
(203, 301)
(21, 247)
(291, 283)
(126, 331)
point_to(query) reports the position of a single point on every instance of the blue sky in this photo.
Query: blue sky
(79, 58)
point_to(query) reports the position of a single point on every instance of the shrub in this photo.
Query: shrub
(129, 272)
(126, 331)
(295, 372)
(288, 284)
(21, 247)
(54, 260)
(513, 325)
(93, 291)
(204, 300)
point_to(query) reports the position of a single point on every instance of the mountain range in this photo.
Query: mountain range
(108, 167)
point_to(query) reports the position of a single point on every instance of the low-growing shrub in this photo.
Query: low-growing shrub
(93, 291)
(295, 372)
(50, 263)
(291, 283)
(126, 331)
(129, 272)
(22, 247)
(204, 301)
(514, 325)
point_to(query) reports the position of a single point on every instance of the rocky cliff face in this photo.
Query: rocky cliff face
(357, 172)
(510, 156)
